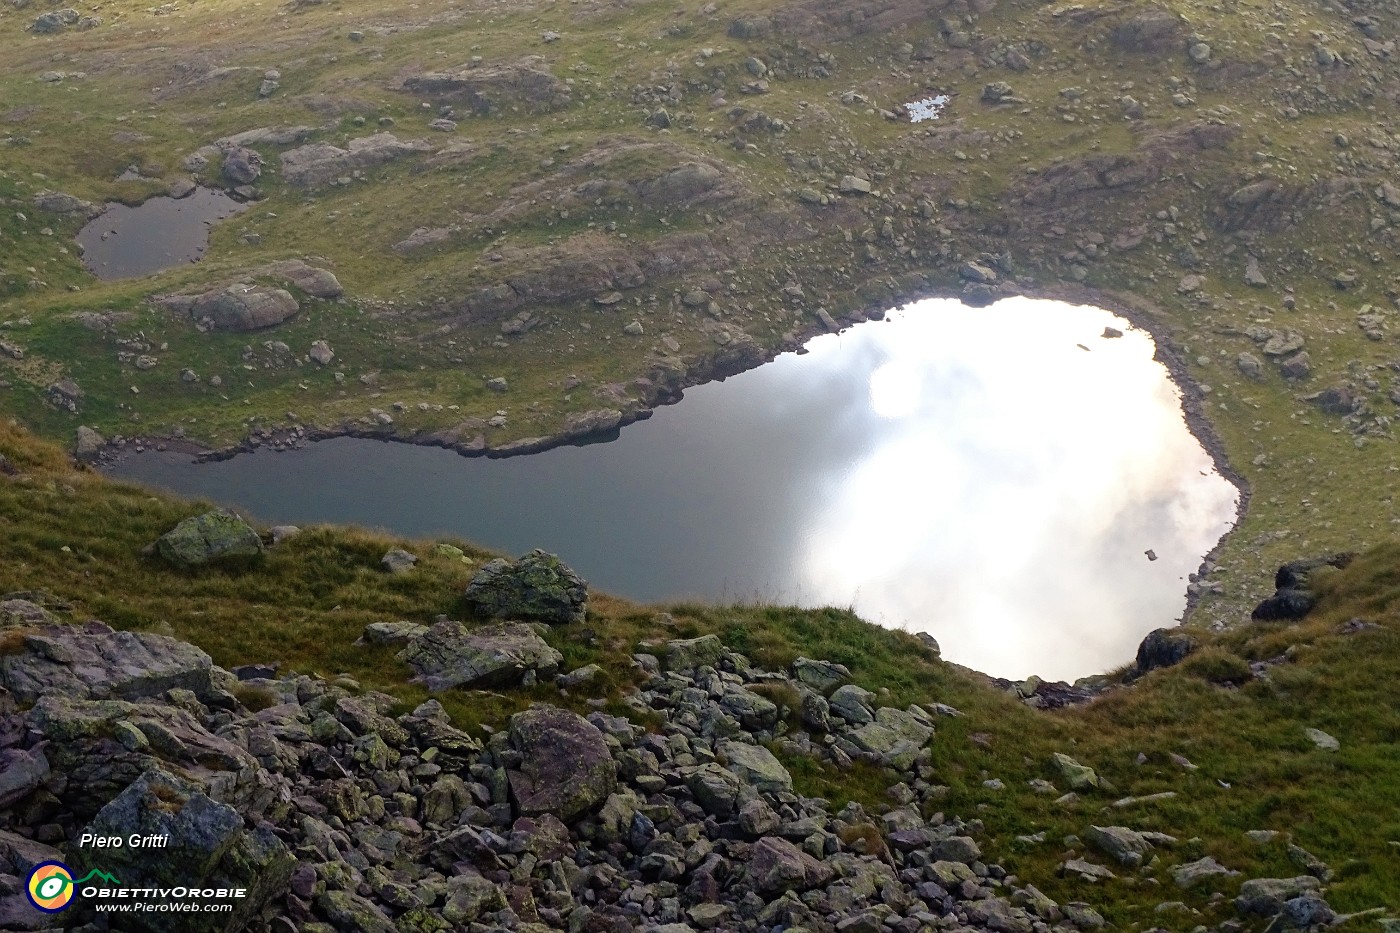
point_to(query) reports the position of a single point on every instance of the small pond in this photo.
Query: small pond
(992, 476)
(124, 242)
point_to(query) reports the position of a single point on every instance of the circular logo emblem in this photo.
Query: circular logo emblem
(50, 887)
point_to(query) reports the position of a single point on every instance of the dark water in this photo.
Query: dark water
(968, 472)
(163, 232)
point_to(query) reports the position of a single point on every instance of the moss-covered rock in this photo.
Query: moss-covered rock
(538, 587)
(213, 536)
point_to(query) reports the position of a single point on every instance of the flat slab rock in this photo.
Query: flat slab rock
(321, 163)
(93, 661)
(450, 654)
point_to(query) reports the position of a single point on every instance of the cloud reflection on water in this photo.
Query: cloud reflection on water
(1008, 508)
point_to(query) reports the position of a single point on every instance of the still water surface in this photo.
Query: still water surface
(992, 476)
(162, 232)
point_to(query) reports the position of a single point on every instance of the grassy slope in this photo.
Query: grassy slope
(79, 536)
(149, 98)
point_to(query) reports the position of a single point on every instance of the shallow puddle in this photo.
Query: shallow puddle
(162, 232)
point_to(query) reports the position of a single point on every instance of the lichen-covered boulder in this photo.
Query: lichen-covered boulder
(538, 587)
(213, 536)
(207, 846)
(1077, 776)
(449, 654)
(686, 654)
(565, 766)
(756, 765)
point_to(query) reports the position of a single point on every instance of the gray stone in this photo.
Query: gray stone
(449, 654)
(715, 788)
(94, 661)
(1193, 873)
(1120, 843)
(1265, 897)
(88, 444)
(1296, 367)
(688, 654)
(397, 560)
(1250, 366)
(852, 704)
(21, 773)
(1322, 740)
(238, 307)
(537, 587)
(1078, 777)
(242, 166)
(1164, 647)
(851, 184)
(820, 675)
(756, 765)
(392, 633)
(319, 164)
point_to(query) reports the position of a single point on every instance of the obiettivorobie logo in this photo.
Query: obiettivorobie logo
(51, 885)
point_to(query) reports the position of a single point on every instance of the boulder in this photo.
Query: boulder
(538, 587)
(714, 788)
(208, 847)
(688, 654)
(1126, 846)
(392, 633)
(57, 202)
(451, 655)
(88, 444)
(318, 283)
(1163, 647)
(1191, 874)
(756, 765)
(1078, 777)
(526, 83)
(777, 866)
(321, 163)
(397, 560)
(1154, 30)
(21, 773)
(214, 536)
(94, 661)
(1265, 897)
(242, 166)
(852, 704)
(820, 675)
(565, 766)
